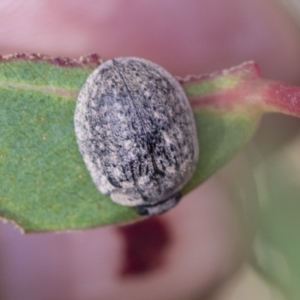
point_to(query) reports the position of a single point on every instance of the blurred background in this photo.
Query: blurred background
(273, 271)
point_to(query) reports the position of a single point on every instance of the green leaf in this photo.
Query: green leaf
(44, 184)
(221, 135)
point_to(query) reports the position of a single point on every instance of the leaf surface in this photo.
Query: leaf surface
(44, 184)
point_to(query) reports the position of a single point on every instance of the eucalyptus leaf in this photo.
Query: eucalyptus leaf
(44, 184)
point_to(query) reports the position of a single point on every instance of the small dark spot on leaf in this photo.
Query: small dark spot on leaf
(91, 59)
(20, 55)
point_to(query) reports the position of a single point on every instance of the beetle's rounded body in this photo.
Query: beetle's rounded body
(135, 130)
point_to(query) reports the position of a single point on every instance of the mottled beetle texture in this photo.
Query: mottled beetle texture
(136, 132)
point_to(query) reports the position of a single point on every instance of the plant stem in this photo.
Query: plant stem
(242, 90)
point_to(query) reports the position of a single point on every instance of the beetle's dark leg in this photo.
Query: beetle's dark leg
(160, 207)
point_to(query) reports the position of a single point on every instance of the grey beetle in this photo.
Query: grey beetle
(136, 132)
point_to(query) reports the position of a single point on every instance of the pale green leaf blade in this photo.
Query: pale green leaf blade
(44, 184)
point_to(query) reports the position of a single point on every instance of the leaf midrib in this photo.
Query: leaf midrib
(48, 89)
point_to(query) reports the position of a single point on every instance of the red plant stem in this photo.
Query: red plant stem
(282, 97)
(242, 89)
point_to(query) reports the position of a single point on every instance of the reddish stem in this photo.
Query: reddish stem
(242, 89)
(282, 97)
